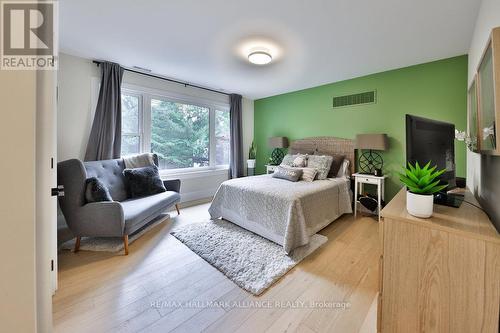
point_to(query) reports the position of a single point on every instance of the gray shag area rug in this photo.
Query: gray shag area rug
(112, 244)
(249, 260)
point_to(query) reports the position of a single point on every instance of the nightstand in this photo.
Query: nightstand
(361, 179)
(270, 168)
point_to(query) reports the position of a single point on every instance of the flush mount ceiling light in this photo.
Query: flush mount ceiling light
(259, 57)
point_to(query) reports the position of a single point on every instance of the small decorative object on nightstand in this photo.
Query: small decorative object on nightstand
(270, 168)
(359, 180)
(371, 162)
(278, 143)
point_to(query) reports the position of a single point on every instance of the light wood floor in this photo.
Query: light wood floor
(103, 292)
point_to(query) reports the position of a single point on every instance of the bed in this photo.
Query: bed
(285, 212)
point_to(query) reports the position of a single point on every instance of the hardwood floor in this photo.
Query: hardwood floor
(105, 292)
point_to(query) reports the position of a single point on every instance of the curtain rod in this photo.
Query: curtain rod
(185, 84)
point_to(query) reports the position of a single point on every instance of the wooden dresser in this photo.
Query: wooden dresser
(440, 274)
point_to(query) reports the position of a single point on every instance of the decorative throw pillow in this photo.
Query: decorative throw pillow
(300, 161)
(291, 174)
(344, 169)
(289, 159)
(96, 191)
(322, 163)
(308, 174)
(143, 181)
(336, 163)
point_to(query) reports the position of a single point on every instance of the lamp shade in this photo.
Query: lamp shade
(278, 142)
(372, 141)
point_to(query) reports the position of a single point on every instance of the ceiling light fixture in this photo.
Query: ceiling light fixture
(260, 58)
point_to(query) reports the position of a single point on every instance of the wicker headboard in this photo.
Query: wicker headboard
(328, 145)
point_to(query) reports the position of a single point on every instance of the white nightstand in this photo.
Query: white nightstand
(361, 179)
(270, 168)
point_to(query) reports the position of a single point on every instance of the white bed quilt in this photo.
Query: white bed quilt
(285, 212)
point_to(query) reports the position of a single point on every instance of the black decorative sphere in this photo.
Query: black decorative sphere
(370, 161)
(277, 156)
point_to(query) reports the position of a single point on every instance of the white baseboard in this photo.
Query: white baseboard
(197, 195)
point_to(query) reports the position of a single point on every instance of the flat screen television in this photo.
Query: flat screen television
(434, 141)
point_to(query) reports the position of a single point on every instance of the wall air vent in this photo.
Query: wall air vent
(368, 97)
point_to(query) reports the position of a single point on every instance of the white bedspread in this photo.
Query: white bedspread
(285, 212)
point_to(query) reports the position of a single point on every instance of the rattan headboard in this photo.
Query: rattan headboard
(328, 145)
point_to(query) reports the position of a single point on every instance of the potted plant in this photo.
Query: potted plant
(421, 185)
(252, 154)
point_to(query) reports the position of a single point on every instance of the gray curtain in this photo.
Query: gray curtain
(236, 159)
(105, 136)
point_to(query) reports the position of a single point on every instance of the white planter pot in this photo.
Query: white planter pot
(251, 164)
(419, 205)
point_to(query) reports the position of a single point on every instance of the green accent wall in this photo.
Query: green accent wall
(436, 90)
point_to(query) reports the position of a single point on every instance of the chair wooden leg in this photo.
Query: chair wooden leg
(77, 244)
(177, 207)
(125, 244)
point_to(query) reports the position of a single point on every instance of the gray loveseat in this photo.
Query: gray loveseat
(118, 218)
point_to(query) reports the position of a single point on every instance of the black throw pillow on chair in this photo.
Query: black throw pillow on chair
(144, 181)
(96, 191)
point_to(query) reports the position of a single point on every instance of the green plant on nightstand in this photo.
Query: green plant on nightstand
(421, 183)
(252, 154)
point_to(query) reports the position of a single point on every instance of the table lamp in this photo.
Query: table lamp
(278, 143)
(371, 162)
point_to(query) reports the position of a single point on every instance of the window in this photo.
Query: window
(222, 137)
(184, 133)
(131, 137)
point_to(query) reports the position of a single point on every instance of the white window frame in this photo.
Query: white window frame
(140, 126)
(147, 94)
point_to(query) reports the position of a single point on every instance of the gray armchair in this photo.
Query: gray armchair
(118, 218)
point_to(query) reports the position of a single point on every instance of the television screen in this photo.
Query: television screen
(434, 141)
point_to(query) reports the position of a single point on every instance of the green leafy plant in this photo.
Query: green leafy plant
(422, 180)
(252, 152)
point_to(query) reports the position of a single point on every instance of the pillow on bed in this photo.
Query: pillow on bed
(336, 163)
(288, 173)
(300, 161)
(321, 163)
(308, 174)
(344, 171)
(289, 159)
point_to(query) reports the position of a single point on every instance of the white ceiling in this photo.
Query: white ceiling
(313, 42)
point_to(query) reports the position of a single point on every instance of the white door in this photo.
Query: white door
(46, 204)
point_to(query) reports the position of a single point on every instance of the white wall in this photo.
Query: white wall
(17, 201)
(74, 112)
(247, 106)
(75, 115)
(487, 19)
(483, 172)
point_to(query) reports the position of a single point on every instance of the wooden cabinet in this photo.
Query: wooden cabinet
(440, 274)
(488, 95)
